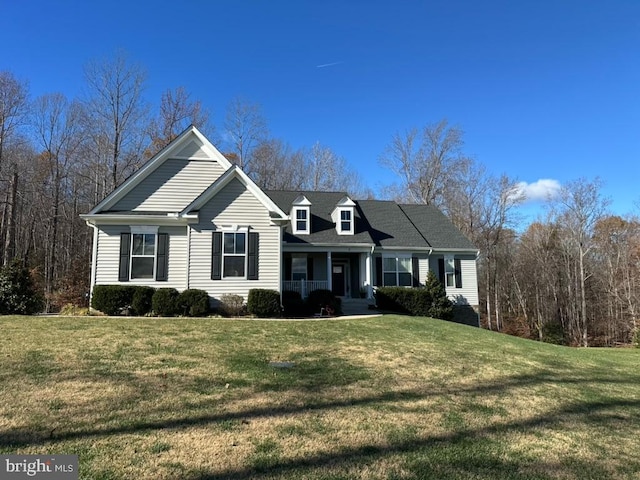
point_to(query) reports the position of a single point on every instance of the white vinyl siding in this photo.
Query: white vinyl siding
(234, 205)
(469, 289)
(171, 187)
(423, 267)
(108, 256)
(192, 149)
(469, 292)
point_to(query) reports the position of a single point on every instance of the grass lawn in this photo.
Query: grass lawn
(385, 398)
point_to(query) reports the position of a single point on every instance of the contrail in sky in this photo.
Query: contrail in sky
(328, 64)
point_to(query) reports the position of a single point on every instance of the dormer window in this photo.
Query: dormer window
(346, 221)
(344, 216)
(301, 216)
(302, 220)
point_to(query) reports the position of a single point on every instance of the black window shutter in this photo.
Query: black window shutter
(415, 271)
(252, 274)
(125, 250)
(378, 271)
(441, 270)
(216, 256)
(458, 273)
(162, 257)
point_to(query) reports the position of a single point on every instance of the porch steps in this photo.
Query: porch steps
(356, 306)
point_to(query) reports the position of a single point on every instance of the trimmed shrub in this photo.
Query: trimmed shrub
(165, 302)
(429, 301)
(141, 300)
(112, 299)
(231, 305)
(294, 305)
(321, 298)
(264, 303)
(18, 294)
(194, 302)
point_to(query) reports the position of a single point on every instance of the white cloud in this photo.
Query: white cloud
(540, 190)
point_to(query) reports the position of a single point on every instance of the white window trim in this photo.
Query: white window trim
(397, 257)
(351, 230)
(235, 229)
(144, 230)
(294, 220)
(449, 270)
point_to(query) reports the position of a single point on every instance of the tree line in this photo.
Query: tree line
(571, 278)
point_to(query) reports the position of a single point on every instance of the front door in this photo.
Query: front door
(338, 277)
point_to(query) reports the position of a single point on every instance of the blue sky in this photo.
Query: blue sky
(543, 89)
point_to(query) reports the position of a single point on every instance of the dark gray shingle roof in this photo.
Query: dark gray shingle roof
(378, 222)
(435, 227)
(322, 227)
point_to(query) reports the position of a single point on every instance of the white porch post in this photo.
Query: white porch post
(368, 271)
(329, 283)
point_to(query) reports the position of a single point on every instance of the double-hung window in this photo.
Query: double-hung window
(298, 267)
(397, 271)
(143, 255)
(301, 220)
(345, 220)
(234, 254)
(449, 271)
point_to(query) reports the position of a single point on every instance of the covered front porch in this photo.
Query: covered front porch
(348, 274)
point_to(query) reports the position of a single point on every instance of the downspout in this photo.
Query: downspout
(188, 256)
(94, 260)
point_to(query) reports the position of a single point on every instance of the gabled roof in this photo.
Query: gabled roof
(175, 149)
(234, 172)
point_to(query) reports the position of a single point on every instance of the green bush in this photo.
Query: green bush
(636, 338)
(194, 302)
(18, 294)
(440, 307)
(231, 305)
(165, 302)
(321, 298)
(429, 301)
(112, 299)
(294, 305)
(264, 303)
(141, 300)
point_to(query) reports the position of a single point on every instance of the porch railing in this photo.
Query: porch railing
(303, 287)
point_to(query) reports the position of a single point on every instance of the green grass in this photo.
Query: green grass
(384, 398)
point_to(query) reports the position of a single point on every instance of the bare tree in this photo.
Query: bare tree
(13, 108)
(56, 122)
(246, 127)
(424, 160)
(177, 112)
(275, 166)
(115, 112)
(327, 171)
(579, 207)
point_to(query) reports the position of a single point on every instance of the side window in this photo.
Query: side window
(397, 271)
(234, 255)
(143, 255)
